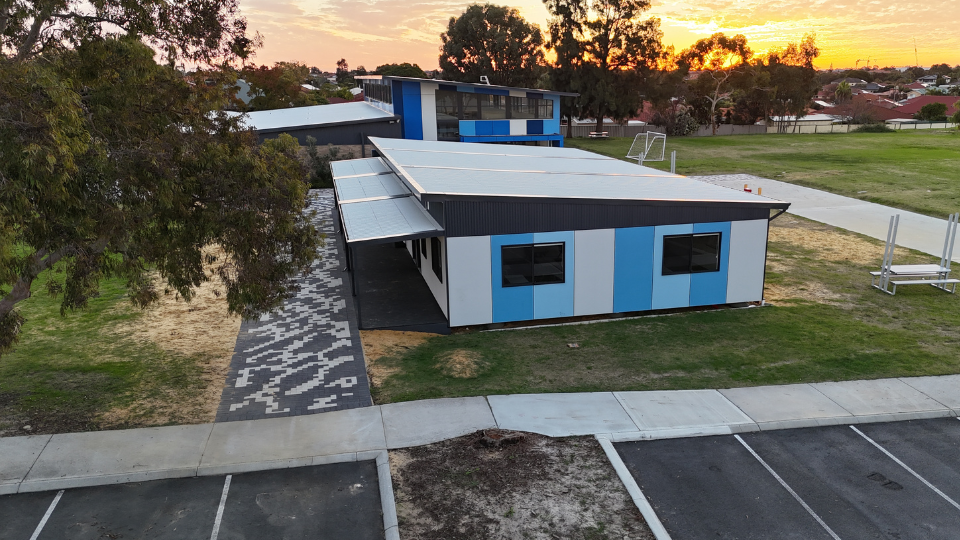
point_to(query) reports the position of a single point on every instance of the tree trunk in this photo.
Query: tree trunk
(599, 127)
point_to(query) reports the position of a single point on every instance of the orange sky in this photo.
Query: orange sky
(372, 32)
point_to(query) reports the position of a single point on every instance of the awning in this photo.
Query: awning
(376, 206)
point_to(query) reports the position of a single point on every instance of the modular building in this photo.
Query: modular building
(340, 124)
(505, 233)
(433, 110)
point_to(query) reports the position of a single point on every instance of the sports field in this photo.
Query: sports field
(912, 170)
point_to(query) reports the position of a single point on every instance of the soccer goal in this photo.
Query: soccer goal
(649, 146)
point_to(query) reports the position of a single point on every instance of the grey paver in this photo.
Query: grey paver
(290, 442)
(18, 455)
(683, 409)
(790, 406)
(919, 232)
(130, 455)
(945, 389)
(561, 415)
(415, 423)
(882, 400)
(307, 357)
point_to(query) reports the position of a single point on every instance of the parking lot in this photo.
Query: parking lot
(323, 502)
(897, 480)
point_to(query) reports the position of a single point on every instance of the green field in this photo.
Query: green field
(912, 170)
(837, 328)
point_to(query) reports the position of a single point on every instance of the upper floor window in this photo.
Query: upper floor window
(470, 106)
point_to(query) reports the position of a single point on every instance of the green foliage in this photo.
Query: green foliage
(114, 164)
(874, 128)
(318, 163)
(405, 69)
(279, 87)
(932, 112)
(719, 60)
(956, 116)
(843, 92)
(494, 41)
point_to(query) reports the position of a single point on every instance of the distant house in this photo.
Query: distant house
(872, 87)
(852, 81)
(912, 107)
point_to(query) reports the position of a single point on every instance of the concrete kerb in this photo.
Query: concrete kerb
(388, 503)
(629, 482)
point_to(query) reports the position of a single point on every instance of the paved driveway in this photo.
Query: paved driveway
(336, 501)
(889, 481)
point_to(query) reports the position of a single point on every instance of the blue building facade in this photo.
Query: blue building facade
(445, 111)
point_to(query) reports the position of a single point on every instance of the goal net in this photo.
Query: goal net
(649, 146)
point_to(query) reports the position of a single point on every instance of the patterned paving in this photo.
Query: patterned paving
(307, 358)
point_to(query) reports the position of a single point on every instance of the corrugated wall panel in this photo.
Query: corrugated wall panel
(491, 217)
(556, 300)
(468, 270)
(748, 252)
(633, 270)
(710, 288)
(593, 271)
(669, 291)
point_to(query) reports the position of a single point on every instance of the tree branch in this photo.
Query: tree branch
(41, 18)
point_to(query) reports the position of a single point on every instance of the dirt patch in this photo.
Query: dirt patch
(539, 488)
(202, 328)
(829, 242)
(381, 344)
(810, 290)
(461, 363)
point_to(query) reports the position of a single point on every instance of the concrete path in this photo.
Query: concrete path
(307, 358)
(39, 463)
(916, 231)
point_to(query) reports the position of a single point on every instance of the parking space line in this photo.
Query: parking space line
(788, 488)
(223, 501)
(908, 469)
(46, 516)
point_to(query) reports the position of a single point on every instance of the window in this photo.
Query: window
(532, 264)
(448, 114)
(492, 107)
(544, 108)
(377, 91)
(436, 258)
(520, 108)
(471, 106)
(691, 254)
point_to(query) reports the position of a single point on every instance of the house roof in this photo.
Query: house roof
(914, 105)
(318, 115)
(473, 170)
(473, 85)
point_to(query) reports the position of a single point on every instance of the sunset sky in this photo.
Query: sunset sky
(373, 32)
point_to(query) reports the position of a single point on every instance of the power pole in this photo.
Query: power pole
(916, 55)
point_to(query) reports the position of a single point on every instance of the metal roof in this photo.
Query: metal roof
(490, 170)
(317, 115)
(387, 220)
(474, 85)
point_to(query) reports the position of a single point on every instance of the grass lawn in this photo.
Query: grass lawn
(70, 373)
(826, 323)
(913, 170)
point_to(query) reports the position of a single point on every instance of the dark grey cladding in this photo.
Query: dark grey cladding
(480, 217)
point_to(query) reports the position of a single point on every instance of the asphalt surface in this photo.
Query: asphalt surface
(845, 486)
(334, 501)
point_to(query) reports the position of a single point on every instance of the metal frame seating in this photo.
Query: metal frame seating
(936, 275)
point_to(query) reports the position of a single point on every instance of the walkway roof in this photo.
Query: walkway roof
(357, 112)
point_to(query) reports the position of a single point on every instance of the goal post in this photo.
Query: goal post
(648, 146)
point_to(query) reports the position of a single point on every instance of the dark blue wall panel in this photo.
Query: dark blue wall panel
(412, 111)
(633, 269)
(534, 127)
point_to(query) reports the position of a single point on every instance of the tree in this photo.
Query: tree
(343, 71)
(842, 93)
(405, 69)
(793, 79)
(494, 41)
(718, 59)
(956, 115)
(115, 165)
(278, 87)
(932, 112)
(619, 53)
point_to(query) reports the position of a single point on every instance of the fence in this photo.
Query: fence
(728, 129)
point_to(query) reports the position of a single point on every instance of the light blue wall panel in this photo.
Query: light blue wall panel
(633, 269)
(412, 111)
(669, 291)
(509, 303)
(468, 128)
(556, 300)
(710, 288)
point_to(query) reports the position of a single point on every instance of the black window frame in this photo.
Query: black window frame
(689, 267)
(535, 279)
(436, 257)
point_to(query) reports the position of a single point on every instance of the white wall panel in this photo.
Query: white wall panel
(468, 268)
(593, 272)
(438, 288)
(518, 127)
(428, 107)
(748, 252)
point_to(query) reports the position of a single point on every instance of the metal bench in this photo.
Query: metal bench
(599, 134)
(938, 283)
(936, 275)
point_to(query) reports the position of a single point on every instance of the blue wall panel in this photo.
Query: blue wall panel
(484, 128)
(633, 269)
(412, 111)
(556, 300)
(551, 127)
(500, 127)
(710, 288)
(467, 89)
(509, 303)
(468, 128)
(534, 127)
(669, 291)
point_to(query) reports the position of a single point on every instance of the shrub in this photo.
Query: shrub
(318, 163)
(874, 128)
